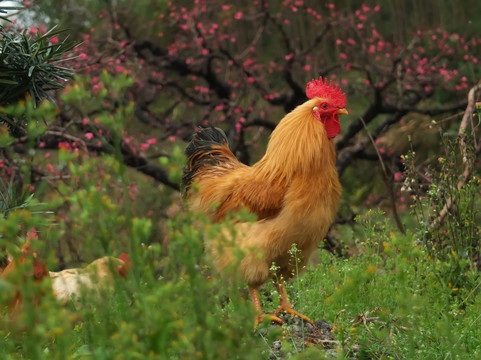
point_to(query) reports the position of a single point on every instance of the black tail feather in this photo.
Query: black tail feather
(206, 137)
(201, 152)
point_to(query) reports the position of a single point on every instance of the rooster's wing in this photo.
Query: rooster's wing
(226, 183)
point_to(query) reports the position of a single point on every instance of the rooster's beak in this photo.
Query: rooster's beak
(342, 111)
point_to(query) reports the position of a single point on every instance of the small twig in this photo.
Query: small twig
(343, 311)
(68, 137)
(386, 179)
(321, 341)
(55, 177)
(365, 319)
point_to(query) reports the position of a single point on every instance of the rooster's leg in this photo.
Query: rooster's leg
(257, 305)
(285, 305)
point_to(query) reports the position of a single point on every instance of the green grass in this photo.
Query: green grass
(417, 315)
(171, 308)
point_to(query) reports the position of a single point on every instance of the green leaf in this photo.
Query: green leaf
(30, 71)
(9, 82)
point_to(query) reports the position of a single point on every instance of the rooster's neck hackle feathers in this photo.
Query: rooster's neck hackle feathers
(307, 150)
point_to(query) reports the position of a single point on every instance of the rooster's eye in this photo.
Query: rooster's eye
(324, 106)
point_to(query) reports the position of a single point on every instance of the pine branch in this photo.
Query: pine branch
(31, 65)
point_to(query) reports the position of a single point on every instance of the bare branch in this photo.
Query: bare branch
(473, 94)
(51, 139)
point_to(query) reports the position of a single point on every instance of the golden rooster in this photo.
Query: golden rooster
(293, 190)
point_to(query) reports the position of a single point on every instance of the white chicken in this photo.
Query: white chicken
(98, 276)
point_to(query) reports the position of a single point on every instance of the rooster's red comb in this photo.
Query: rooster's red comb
(327, 90)
(126, 259)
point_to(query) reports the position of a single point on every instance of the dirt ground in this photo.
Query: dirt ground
(300, 335)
